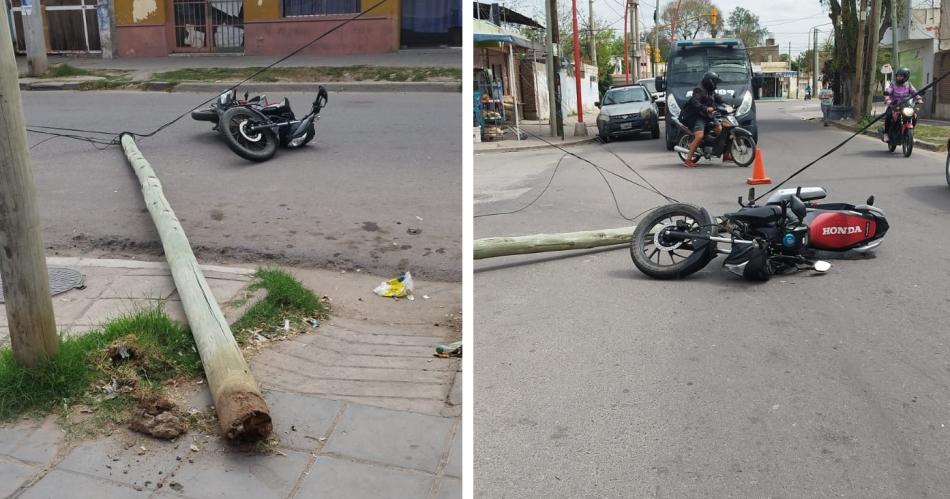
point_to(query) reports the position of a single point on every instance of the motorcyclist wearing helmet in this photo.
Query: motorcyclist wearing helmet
(698, 112)
(896, 92)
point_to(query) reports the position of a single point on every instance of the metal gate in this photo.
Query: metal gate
(209, 25)
(73, 25)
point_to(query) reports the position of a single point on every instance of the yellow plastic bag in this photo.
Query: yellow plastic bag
(399, 287)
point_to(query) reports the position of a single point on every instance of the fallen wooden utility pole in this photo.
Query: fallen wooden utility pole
(242, 412)
(491, 247)
(29, 307)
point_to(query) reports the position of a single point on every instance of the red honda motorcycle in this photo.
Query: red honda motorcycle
(785, 235)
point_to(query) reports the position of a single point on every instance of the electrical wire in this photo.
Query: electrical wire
(845, 141)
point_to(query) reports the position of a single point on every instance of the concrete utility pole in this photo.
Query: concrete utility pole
(636, 39)
(656, 37)
(894, 52)
(34, 36)
(22, 262)
(580, 129)
(593, 34)
(857, 87)
(626, 43)
(550, 61)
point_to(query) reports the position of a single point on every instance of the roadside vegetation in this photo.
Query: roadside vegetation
(109, 373)
(313, 74)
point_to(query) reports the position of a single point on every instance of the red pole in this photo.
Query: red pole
(676, 15)
(577, 65)
(626, 51)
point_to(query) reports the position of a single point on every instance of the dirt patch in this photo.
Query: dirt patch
(217, 215)
(158, 417)
(370, 227)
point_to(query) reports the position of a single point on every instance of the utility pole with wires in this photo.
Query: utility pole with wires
(553, 64)
(656, 37)
(29, 306)
(636, 39)
(580, 128)
(894, 61)
(593, 36)
(857, 87)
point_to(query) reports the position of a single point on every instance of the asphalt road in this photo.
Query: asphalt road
(592, 380)
(381, 163)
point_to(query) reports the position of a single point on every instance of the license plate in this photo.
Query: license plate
(626, 126)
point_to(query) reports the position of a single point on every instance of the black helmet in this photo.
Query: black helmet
(709, 81)
(905, 72)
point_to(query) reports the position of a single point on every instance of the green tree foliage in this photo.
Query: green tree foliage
(744, 25)
(609, 53)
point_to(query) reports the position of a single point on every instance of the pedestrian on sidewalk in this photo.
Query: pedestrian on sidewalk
(827, 96)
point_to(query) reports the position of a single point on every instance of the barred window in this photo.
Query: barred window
(320, 7)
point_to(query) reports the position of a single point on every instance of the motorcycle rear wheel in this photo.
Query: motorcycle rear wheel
(659, 258)
(907, 146)
(684, 142)
(743, 150)
(254, 146)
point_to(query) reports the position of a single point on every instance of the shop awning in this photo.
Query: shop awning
(488, 34)
(506, 15)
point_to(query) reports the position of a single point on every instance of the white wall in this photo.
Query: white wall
(589, 92)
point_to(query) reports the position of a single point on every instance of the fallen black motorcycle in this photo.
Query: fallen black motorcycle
(253, 128)
(733, 139)
(784, 235)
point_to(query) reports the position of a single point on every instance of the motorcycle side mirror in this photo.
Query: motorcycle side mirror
(822, 266)
(751, 195)
(246, 94)
(870, 201)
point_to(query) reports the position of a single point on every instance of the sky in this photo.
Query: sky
(790, 21)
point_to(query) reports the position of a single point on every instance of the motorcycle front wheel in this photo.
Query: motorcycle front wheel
(743, 150)
(908, 145)
(254, 145)
(664, 258)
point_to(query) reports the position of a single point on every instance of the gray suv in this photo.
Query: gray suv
(627, 110)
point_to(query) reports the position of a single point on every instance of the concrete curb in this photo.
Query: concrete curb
(60, 261)
(927, 146)
(348, 86)
(514, 148)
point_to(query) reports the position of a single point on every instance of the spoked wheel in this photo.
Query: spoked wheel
(743, 150)
(660, 256)
(237, 126)
(684, 143)
(908, 145)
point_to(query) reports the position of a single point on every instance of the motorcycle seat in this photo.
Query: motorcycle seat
(757, 215)
(279, 106)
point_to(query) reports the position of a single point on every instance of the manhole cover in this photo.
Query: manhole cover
(60, 280)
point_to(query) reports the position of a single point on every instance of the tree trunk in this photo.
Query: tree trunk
(857, 90)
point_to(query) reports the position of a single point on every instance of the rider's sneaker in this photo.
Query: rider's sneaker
(727, 157)
(689, 164)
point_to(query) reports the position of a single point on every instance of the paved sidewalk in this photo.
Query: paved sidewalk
(145, 66)
(537, 134)
(361, 407)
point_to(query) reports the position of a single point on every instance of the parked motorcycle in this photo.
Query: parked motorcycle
(253, 128)
(903, 121)
(786, 234)
(736, 140)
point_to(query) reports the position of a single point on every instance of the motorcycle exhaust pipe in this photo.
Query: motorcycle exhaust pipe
(681, 149)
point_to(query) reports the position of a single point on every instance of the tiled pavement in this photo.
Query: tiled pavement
(360, 406)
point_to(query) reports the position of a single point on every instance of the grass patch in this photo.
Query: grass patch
(65, 70)
(932, 133)
(313, 74)
(287, 299)
(106, 84)
(162, 348)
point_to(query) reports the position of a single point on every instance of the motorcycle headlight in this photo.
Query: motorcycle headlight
(746, 104)
(908, 112)
(671, 104)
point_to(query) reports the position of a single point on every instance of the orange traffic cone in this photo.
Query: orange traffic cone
(758, 171)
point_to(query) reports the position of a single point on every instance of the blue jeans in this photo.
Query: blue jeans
(825, 108)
